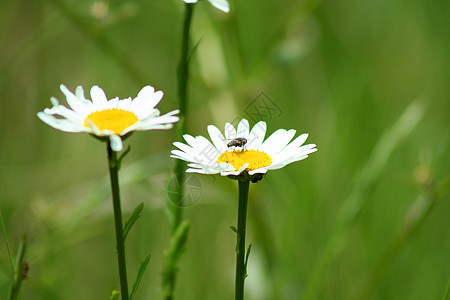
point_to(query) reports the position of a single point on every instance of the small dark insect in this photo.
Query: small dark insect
(237, 142)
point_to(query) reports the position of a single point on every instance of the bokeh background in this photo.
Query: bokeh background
(366, 217)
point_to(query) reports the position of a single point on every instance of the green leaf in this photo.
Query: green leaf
(234, 229)
(122, 156)
(134, 217)
(246, 259)
(141, 270)
(114, 294)
(238, 238)
(194, 49)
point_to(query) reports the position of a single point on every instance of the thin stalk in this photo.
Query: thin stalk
(20, 272)
(175, 203)
(7, 243)
(114, 177)
(183, 80)
(240, 243)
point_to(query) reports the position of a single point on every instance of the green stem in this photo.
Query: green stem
(20, 272)
(240, 244)
(7, 242)
(176, 198)
(183, 80)
(114, 177)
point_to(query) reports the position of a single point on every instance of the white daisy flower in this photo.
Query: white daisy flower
(220, 4)
(114, 119)
(242, 150)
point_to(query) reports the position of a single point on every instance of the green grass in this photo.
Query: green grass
(366, 217)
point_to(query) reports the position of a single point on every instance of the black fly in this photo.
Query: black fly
(237, 142)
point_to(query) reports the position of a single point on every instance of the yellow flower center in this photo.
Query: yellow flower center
(114, 119)
(255, 159)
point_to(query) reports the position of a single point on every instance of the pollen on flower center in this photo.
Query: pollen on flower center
(114, 119)
(255, 159)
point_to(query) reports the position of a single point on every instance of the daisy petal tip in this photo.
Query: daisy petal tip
(116, 143)
(54, 101)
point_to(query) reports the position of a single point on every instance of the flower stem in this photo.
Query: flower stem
(240, 244)
(175, 204)
(183, 79)
(114, 177)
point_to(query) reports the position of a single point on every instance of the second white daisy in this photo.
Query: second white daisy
(242, 149)
(113, 119)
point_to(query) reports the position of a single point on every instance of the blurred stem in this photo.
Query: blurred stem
(175, 202)
(172, 257)
(20, 271)
(240, 243)
(183, 80)
(7, 242)
(114, 177)
(95, 33)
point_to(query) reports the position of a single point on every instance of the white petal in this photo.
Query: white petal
(185, 148)
(98, 97)
(286, 162)
(146, 99)
(256, 136)
(202, 171)
(66, 113)
(184, 156)
(113, 103)
(143, 114)
(79, 92)
(77, 104)
(61, 124)
(243, 129)
(225, 167)
(217, 138)
(221, 4)
(292, 151)
(162, 122)
(124, 104)
(210, 169)
(190, 1)
(259, 171)
(54, 101)
(116, 143)
(230, 132)
(206, 153)
(190, 140)
(277, 141)
(227, 173)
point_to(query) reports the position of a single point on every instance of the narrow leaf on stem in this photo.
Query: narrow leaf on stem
(246, 259)
(133, 218)
(141, 270)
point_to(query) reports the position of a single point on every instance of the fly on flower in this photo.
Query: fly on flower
(258, 156)
(237, 142)
(113, 119)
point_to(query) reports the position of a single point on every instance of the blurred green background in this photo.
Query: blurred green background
(366, 217)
